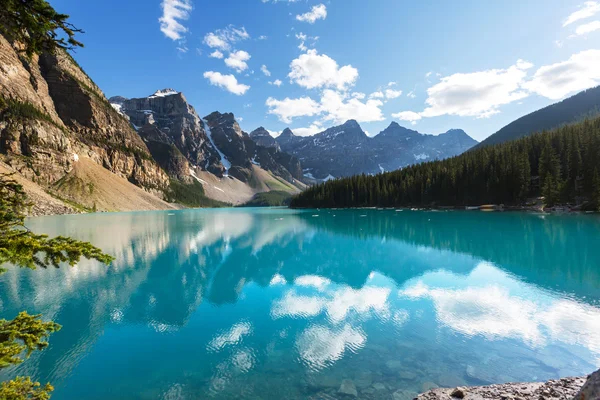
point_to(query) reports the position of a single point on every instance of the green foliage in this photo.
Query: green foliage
(37, 26)
(23, 334)
(190, 195)
(11, 109)
(274, 198)
(21, 247)
(23, 388)
(559, 164)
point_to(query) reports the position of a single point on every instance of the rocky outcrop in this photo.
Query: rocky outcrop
(51, 112)
(561, 389)
(591, 388)
(179, 140)
(346, 150)
(262, 137)
(167, 118)
(241, 151)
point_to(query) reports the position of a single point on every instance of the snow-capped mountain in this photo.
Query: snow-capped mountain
(184, 144)
(346, 150)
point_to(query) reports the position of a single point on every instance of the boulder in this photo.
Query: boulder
(347, 388)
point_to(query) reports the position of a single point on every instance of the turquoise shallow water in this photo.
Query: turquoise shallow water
(279, 304)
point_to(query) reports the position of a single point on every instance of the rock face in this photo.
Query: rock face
(179, 139)
(262, 137)
(169, 122)
(591, 388)
(51, 113)
(241, 151)
(346, 149)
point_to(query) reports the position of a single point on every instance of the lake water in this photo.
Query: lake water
(282, 304)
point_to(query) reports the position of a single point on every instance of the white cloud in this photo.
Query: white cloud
(216, 54)
(377, 95)
(293, 305)
(174, 11)
(411, 94)
(312, 70)
(223, 39)
(587, 28)
(409, 116)
(277, 279)
(228, 82)
(556, 81)
(477, 94)
(237, 60)
(320, 346)
(334, 106)
(392, 84)
(313, 129)
(315, 13)
(265, 70)
(497, 312)
(588, 9)
(393, 94)
(487, 311)
(362, 301)
(276, 82)
(315, 281)
(263, 37)
(303, 38)
(337, 107)
(288, 109)
(358, 95)
(231, 337)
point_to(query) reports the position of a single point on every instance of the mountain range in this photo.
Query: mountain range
(346, 150)
(74, 149)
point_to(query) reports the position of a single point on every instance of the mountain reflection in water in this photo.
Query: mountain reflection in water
(284, 304)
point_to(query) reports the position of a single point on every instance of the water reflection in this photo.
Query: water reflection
(280, 304)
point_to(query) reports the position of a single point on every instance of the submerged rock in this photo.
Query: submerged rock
(404, 395)
(348, 388)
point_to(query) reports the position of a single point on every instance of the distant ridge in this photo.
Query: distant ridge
(575, 108)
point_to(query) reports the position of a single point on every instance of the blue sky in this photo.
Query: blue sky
(464, 64)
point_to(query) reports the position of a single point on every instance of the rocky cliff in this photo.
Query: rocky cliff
(170, 125)
(346, 150)
(241, 151)
(181, 141)
(52, 114)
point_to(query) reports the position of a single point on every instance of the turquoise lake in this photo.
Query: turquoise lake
(283, 304)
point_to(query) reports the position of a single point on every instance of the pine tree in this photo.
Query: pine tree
(36, 26)
(22, 248)
(596, 190)
(506, 173)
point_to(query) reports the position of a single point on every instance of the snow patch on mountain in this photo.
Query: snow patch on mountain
(163, 93)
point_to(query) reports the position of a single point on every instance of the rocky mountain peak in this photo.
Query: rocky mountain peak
(168, 118)
(346, 149)
(394, 130)
(262, 137)
(163, 93)
(352, 123)
(287, 132)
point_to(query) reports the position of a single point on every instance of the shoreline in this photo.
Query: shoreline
(578, 388)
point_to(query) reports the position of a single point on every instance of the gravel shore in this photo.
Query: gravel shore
(583, 388)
